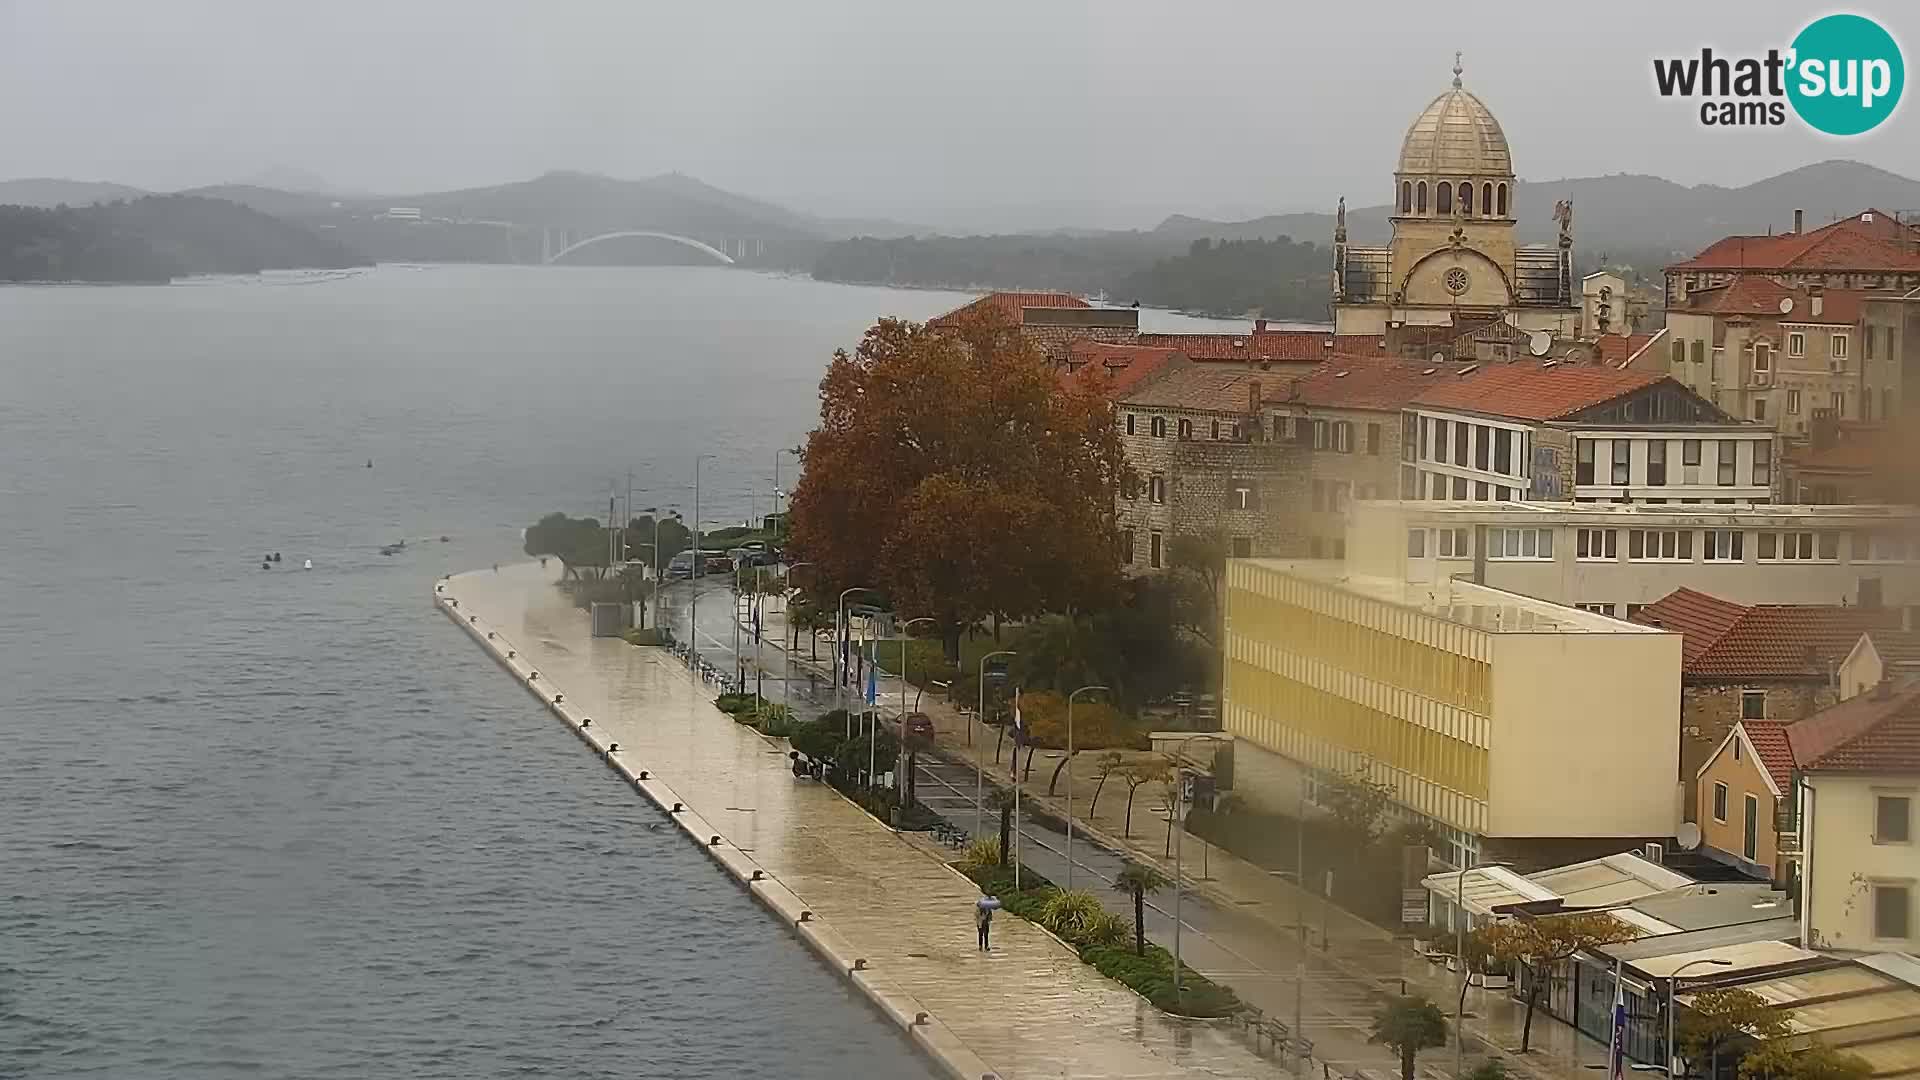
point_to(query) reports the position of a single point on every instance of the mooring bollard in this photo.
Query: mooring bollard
(806, 916)
(586, 722)
(920, 1019)
(677, 809)
(859, 964)
(558, 698)
(511, 654)
(644, 774)
(758, 875)
(612, 748)
(713, 841)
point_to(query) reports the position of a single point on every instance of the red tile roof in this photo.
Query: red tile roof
(1896, 646)
(1314, 345)
(1209, 388)
(1010, 304)
(1614, 350)
(1363, 382)
(1770, 744)
(1118, 369)
(1726, 641)
(1759, 296)
(1530, 392)
(1869, 241)
(1867, 733)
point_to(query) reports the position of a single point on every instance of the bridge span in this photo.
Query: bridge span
(549, 257)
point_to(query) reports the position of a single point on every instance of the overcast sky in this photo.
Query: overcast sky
(982, 114)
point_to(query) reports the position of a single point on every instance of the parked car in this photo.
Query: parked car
(680, 566)
(919, 728)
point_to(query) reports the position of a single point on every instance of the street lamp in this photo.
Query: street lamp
(1671, 980)
(1070, 700)
(840, 655)
(1460, 956)
(699, 563)
(979, 762)
(1180, 749)
(780, 522)
(786, 683)
(900, 763)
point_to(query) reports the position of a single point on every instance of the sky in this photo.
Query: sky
(986, 115)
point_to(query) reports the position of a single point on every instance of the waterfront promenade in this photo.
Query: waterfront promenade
(1028, 1009)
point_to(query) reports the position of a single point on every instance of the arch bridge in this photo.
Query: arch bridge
(684, 241)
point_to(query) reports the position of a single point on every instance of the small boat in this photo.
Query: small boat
(390, 549)
(308, 565)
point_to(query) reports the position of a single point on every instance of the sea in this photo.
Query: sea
(289, 823)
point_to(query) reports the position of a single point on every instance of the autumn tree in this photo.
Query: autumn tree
(1714, 1020)
(1104, 767)
(951, 470)
(1096, 726)
(1546, 943)
(1408, 1025)
(1776, 1059)
(1144, 770)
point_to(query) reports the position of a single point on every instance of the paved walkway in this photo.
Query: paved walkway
(1029, 1008)
(1252, 944)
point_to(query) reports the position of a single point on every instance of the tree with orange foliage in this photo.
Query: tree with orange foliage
(953, 473)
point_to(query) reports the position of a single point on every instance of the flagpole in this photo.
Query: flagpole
(1019, 736)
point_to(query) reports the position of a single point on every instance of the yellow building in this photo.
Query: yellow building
(1453, 254)
(1491, 715)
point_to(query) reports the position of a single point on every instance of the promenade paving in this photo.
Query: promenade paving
(1246, 937)
(1029, 1007)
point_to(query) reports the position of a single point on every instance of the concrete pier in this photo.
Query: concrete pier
(880, 909)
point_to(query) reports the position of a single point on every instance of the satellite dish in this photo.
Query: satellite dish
(1539, 342)
(1786, 304)
(1688, 836)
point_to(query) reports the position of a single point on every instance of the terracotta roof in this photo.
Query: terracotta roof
(1759, 296)
(1896, 646)
(1363, 382)
(1699, 617)
(1010, 304)
(1858, 448)
(1208, 389)
(1871, 240)
(1770, 745)
(1118, 368)
(1867, 733)
(1614, 350)
(1724, 640)
(1529, 392)
(1314, 345)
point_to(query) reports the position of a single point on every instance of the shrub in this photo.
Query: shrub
(979, 854)
(820, 740)
(637, 636)
(1107, 930)
(1490, 1069)
(1152, 977)
(1071, 914)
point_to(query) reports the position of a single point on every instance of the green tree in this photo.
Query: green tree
(1147, 769)
(675, 538)
(1546, 943)
(1777, 1060)
(1357, 807)
(1104, 767)
(1408, 1025)
(579, 543)
(1139, 881)
(1202, 559)
(1716, 1019)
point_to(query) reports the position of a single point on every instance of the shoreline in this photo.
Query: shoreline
(925, 1031)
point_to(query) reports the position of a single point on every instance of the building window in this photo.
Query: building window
(1753, 706)
(1216, 430)
(1634, 609)
(1597, 545)
(1725, 460)
(1866, 406)
(1893, 819)
(1129, 485)
(1597, 609)
(1669, 545)
(1126, 545)
(1866, 343)
(1373, 439)
(1420, 197)
(1482, 447)
(1503, 200)
(1881, 547)
(1622, 462)
(1453, 543)
(1159, 427)
(1699, 352)
(1837, 347)
(1459, 489)
(1153, 550)
(1186, 429)
(1519, 543)
(1340, 547)
(1657, 463)
(1443, 198)
(1720, 802)
(1760, 409)
(1750, 829)
(1796, 344)
(1416, 543)
(1129, 423)
(1679, 351)
(1319, 434)
(1486, 200)
(1343, 437)
(1157, 489)
(1583, 462)
(1793, 403)
(1406, 196)
(1440, 441)
(1243, 547)
(1892, 911)
(1722, 545)
(1840, 404)
(1799, 546)
(1460, 437)
(1340, 492)
(1762, 358)
(1763, 464)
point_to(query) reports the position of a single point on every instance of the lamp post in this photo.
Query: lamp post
(840, 655)
(786, 682)
(1460, 955)
(1176, 810)
(1300, 964)
(979, 764)
(901, 754)
(780, 522)
(1671, 981)
(1070, 700)
(693, 580)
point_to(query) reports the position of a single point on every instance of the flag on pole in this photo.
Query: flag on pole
(1617, 1047)
(873, 684)
(756, 625)
(1019, 734)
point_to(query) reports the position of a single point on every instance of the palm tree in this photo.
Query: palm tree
(1141, 881)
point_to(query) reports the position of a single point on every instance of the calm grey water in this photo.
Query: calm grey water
(292, 824)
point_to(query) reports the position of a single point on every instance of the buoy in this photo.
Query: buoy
(369, 463)
(308, 565)
(266, 566)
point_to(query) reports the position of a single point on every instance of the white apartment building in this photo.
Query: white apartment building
(1614, 558)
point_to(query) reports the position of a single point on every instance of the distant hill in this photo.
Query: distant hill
(157, 238)
(268, 200)
(51, 191)
(1623, 211)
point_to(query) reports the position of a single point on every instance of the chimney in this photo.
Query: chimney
(1259, 326)
(1253, 395)
(1799, 216)
(1816, 299)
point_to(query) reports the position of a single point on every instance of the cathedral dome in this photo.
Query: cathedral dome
(1455, 136)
